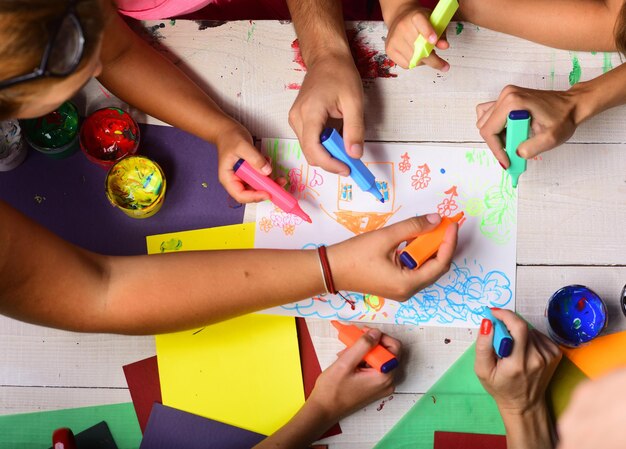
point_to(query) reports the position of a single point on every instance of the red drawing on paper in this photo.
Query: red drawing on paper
(317, 179)
(448, 205)
(420, 179)
(405, 165)
(295, 180)
(286, 222)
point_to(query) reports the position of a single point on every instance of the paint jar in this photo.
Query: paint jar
(55, 134)
(108, 135)
(575, 316)
(12, 148)
(136, 185)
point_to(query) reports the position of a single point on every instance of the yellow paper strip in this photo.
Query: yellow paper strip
(225, 237)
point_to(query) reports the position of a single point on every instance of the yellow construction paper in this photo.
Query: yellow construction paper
(245, 371)
(601, 355)
(225, 237)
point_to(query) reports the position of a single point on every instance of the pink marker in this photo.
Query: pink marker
(278, 195)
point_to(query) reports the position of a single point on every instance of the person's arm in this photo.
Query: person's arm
(585, 25)
(332, 86)
(341, 389)
(518, 382)
(139, 75)
(406, 20)
(555, 115)
(47, 281)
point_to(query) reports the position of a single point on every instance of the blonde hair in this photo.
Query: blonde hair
(24, 36)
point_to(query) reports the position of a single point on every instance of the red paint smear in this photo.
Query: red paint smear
(581, 304)
(293, 86)
(370, 63)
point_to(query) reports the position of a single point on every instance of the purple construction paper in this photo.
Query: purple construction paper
(67, 195)
(169, 428)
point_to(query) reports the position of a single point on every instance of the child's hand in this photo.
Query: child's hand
(332, 88)
(595, 415)
(406, 21)
(518, 382)
(347, 385)
(369, 262)
(235, 143)
(553, 119)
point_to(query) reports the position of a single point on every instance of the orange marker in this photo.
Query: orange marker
(378, 358)
(426, 245)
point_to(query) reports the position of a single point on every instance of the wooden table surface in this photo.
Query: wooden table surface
(572, 201)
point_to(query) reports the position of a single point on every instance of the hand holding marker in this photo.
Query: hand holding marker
(332, 141)
(378, 358)
(517, 131)
(502, 340)
(278, 195)
(440, 18)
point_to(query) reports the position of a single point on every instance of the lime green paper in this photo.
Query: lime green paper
(565, 379)
(34, 430)
(456, 403)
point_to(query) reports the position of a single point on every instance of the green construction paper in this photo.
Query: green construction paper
(34, 430)
(565, 379)
(457, 402)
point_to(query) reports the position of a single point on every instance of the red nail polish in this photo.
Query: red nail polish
(502, 165)
(63, 439)
(485, 327)
(494, 308)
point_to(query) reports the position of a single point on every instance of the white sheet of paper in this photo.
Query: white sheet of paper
(415, 179)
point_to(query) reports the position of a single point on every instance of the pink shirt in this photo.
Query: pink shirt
(159, 9)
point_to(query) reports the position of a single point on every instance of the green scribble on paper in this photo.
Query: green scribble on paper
(594, 53)
(499, 218)
(171, 245)
(606, 64)
(480, 157)
(251, 31)
(574, 75)
(459, 28)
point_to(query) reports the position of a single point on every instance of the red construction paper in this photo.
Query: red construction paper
(455, 440)
(142, 378)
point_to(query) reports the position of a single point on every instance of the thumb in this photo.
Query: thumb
(485, 356)
(355, 354)
(411, 228)
(537, 144)
(353, 128)
(254, 158)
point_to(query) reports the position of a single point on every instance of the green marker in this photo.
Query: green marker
(439, 19)
(517, 131)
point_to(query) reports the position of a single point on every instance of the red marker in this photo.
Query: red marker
(278, 195)
(378, 358)
(63, 439)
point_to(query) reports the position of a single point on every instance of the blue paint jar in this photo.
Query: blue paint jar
(575, 315)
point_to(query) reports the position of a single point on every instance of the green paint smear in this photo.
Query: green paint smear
(172, 22)
(171, 245)
(459, 28)
(574, 75)
(594, 53)
(607, 65)
(251, 31)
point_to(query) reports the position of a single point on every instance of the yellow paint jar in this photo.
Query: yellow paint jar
(136, 185)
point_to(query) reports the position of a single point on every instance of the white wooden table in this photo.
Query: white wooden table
(572, 202)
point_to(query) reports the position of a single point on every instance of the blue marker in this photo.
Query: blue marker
(362, 175)
(502, 340)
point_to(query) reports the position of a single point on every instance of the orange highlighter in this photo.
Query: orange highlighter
(426, 245)
(378, 358)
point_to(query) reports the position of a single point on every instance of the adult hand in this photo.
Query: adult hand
(369, 262)
(332, 88)
(235, 143)
(595, 415)
(347, 385)
(553, 119)
(406, 21)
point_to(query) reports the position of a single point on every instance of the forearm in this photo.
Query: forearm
(529, 430)
(47, 281)
(144, 78)
(599, 94)
(304, 428)
(320, 29)
(585, 25)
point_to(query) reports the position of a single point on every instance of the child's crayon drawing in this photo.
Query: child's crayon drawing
(414, 180)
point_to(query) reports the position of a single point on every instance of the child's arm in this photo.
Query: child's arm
(47, 281)
(518, 382)
(136, 73)
(555, 114)
(332, 86)
(406, 20)
(340, 390)
(585, 25)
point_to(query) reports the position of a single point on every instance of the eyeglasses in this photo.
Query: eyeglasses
(63, 52)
